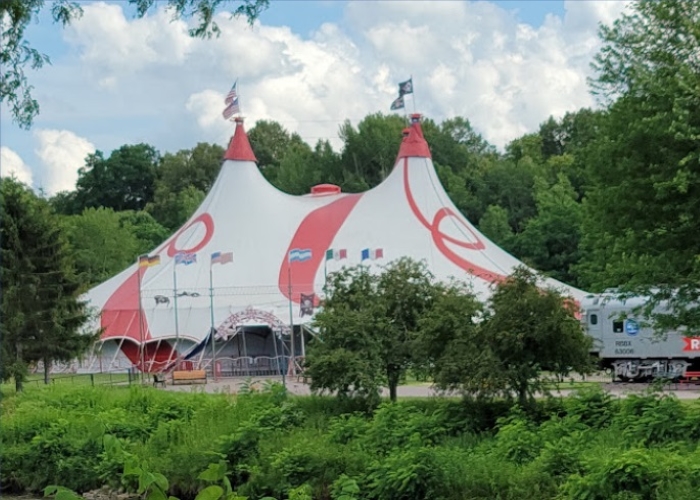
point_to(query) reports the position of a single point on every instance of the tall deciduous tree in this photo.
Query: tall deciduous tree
(100, 244)
(42, 314)
(641, 227)
(367, 327)
(182, 181)
(370, 150)
(124, 181)
(297, 172)
(16, 53)
(523, 331)
(550, 241)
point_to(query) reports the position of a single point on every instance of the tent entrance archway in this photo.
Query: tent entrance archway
(252, 342)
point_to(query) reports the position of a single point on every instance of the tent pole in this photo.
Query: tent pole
(153, 358)
(177, 328)
(277, 356)
(141, 362)
(291, 319)
(245, 352)
(116, 353)
(213, 332)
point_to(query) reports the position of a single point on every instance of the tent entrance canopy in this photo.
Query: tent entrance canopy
(257, 351)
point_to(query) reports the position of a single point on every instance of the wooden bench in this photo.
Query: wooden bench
(690, 378)
(159, 379)
(189, 377)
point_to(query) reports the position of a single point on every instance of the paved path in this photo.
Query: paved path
(233, 385)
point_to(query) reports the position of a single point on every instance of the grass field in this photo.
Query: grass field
(83, 379)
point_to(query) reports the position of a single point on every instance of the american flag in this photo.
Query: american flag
(221, 258)
(231, 101)
(231, 96)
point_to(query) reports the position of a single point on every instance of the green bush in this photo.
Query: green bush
(271, 444)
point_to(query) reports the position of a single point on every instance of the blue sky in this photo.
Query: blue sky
(116, 80)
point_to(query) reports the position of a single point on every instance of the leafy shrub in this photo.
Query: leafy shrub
(634, 473)
(517, 438)
(651, 420)
(405, 474)
(593, 407)
(346, 428)
(396, 425)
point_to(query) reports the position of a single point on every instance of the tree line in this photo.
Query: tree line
(598, 198)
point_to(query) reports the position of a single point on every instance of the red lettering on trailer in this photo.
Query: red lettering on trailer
(691, 344)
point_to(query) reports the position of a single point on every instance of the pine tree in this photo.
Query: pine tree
(42, 315)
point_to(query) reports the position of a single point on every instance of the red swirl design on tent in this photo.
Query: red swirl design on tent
(441, 239)
(209, 232)
(316, 232)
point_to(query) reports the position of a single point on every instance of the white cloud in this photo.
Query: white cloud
(473, 59)
(12, 165)
(62, 153)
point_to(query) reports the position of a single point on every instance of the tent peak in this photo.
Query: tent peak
(239, 146)
(413, 143)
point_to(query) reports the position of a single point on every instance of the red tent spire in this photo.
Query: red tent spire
(413, 144)
(239, 147)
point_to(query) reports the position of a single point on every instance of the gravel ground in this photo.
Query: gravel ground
(232, 386)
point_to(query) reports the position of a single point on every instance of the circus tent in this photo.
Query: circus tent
(253, 259)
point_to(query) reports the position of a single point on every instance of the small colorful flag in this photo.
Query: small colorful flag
(406, 87)
(398, 103)
(149, 260)
(372, 253)
(185, 258)
(336, 254)
(221, 258)
(299, 254)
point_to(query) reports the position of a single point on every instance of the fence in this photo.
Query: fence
(93, 379)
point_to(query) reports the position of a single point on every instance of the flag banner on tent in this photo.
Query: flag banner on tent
(332, 254)
(299, 255)
(185, 258)
(372, 253)
(221, 258)
(306, 304)
(406, 87)
(149, 260)
(398, 103)
(231, 101)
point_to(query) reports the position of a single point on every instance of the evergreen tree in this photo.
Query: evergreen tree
(41, 311)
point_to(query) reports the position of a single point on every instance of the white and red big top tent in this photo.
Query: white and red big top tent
(409, 214)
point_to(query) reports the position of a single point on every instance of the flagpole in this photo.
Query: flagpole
(140, 320)
(212, 332)
(291, 319)
(277, 357)
(177, 327)
(413, 95)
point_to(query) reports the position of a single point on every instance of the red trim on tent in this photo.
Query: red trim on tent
(155, 356)
(440, 239)
(316, 232)
(324, 189)
(239, 147)
(414, 145)
(120, 314)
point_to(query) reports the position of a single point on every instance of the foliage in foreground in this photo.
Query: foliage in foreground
(271, 445)
(374, 327)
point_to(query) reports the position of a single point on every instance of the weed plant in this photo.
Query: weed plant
(271, 445)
